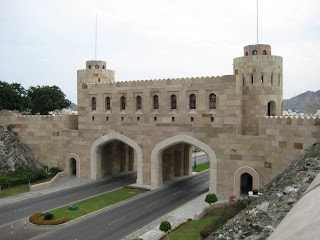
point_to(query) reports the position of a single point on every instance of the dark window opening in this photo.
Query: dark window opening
(254, 52)
(251, 79)
(93, 103)
(212, 119)
(246, 54)
(96, 66)
(92, 119)
(139, 102)
(107, 119)
(245, 183)
(243, 81)
(138, 119)
(192, 101)
(264, 52)
(155, 102)
(212, 101)
(262, 79)
(89, 66)
(173, 101)
(271, 108)
(172, 119)
(271, 78)
(122, 118)
(155, 119)
(103, 67)
(123, 102)
(108, 105)
(192, 119)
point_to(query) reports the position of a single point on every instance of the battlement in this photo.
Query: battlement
(290, 120)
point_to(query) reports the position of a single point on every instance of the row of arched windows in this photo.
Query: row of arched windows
(255, 52)
(173, 102)
(96, 67)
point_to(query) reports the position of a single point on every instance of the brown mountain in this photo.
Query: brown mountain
(308, 102)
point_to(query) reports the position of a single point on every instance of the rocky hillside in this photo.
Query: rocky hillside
(308, 102)
(14, 155)
(262, 216)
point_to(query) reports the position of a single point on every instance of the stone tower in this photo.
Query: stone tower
(261, 77)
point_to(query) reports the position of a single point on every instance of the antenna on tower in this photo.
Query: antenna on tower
(95, 52)
(257, 22)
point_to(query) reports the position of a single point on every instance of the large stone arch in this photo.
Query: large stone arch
(75, 157)
(237, 175)
(95, 159)
(156, 156)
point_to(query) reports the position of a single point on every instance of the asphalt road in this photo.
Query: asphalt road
(23, 209)
(123, 219)
(115, 222)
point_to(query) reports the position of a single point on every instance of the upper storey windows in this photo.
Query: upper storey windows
(139, 103)
(264, 52)
(254, 52)
(123, 103)
(212, 101)
(108, 103)
(96, 66)
(93, 104)
(173, 101)
(192, 101)
(155, 102)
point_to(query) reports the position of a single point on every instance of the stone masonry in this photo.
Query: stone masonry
(150, 126)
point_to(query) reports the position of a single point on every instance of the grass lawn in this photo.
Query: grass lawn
(191, 230)
(96, 203)
(19, 189)
(201, 167)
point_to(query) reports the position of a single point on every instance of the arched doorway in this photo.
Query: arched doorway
(245, 183)
(73, 164)
(180, 142)
(245, 178)
(118, 146)
(271, 108)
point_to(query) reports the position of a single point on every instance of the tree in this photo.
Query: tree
(13, 96)
(211, 198)
(165, 226)
(45, 99)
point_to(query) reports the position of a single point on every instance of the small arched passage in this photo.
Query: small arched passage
(240, 176)
(271, 108)
(73, 164)
(156, 159)
(95, 154)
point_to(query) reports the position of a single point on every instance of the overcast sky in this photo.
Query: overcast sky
(46, 42)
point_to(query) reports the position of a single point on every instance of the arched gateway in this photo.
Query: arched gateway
(95, 154)
(156, 158)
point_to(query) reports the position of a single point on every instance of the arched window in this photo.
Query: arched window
(108, 104)
(96, 66)
(139, 102)
(155, 102)
(246, 54)
(264, 52)
(93, 103)
(123, 102)
(173, 101)
(271, 108)
(103, 67)
(192, 101)
(212, 101)
(89, 66)
(245, 183)
(254, 52)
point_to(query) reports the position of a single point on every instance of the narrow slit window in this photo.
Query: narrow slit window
(212, 101)
(172, 119)
(155, 102)
(155, 119)
(212, 119)
(192, 119)
(251, 79)
(93, 104)
(108, 105)
(123, 103)
(271, 78)
(107, 119)
(192, 101)
(139, 102)
(173, 101)
(262, 79)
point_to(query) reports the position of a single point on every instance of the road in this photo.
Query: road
(123, 219)
(23, 209)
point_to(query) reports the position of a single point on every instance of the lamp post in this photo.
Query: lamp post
(195, 159)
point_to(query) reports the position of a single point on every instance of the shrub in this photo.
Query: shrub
(205, 232)
(48, 216)
(138, 239)
(211, 198)
(54, 170)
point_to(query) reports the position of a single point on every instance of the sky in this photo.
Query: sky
(46, 42)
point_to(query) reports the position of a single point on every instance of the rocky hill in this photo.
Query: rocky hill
(14, 155)
(262, 216)
(308, 102)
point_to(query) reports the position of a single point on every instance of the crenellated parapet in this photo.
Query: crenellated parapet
(311, 120)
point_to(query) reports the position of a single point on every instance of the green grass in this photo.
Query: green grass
(20, 188)
(214, 220)
(201, 167)
(96, 203)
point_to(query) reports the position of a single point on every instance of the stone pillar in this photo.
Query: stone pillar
(127, 156)
(188, 160)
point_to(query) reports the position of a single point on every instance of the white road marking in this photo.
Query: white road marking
(176, 193)
(116, 221)
(150, 205)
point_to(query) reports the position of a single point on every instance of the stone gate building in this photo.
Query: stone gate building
(150, 126)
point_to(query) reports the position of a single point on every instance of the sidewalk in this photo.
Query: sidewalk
(180, 215)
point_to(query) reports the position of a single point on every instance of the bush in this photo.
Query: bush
(54, 170)
(48, 216)
(211, 198)
(138, 239)
(165, 226)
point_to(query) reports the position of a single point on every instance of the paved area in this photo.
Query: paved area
(180, 215)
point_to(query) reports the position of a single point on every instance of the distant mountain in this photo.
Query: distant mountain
(308, 102)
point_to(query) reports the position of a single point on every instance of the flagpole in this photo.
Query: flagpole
(257, 22)
(95, 51)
